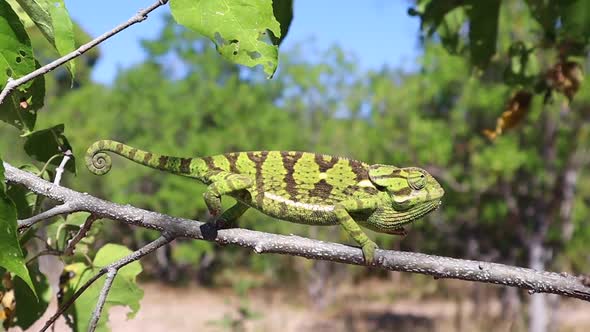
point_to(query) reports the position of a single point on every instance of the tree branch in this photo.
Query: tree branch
(84, 228)
(139, 17)
(112, 270)
(437, 266)
(62, 166)
(65, 208)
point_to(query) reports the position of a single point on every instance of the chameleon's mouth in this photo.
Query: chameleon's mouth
(416, 212)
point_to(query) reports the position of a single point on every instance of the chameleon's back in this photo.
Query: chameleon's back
(291, 184)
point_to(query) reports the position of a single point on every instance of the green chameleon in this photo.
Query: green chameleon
(301, 187)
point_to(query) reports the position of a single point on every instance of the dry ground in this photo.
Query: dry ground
(165, 308)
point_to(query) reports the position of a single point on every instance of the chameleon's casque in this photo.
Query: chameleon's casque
(301, 187)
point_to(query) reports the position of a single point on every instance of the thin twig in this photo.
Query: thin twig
(136, 255)
(46, 252)
(65, 208)
(11, 84)
(62, 166)
(102, 297)
(437, 266)
(84, 228)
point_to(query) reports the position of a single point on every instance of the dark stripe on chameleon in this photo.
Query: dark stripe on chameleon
(258, 160)
(232, 158)
(119, 147)
(132, 153)
(370, 190)
(351, 190)
(325, 164)
(162, 161)
(360, 169)
(210, 164)
(289, 161)
(404, 191)
(147, 158)
(185, 165)
(321, 189)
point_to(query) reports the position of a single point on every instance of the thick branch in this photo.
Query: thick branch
(139, 17)
(437, 266)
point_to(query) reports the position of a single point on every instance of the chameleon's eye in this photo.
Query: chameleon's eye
(417, 181)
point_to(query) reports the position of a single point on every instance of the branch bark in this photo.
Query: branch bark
(436, 266)
(139, 17)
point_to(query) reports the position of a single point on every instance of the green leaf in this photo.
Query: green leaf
(29, 308)
(237, 27)
(23, 199)
(433, 13)
(450, 28)
(575, 18)
(546, 13)
(63, 29)
(46, 143)
(124, 290)
(483, 31)
(11, 255)
(16, 60)
(54, 22)
(283, 12)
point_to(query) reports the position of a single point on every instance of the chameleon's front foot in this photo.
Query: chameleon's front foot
(369, 251)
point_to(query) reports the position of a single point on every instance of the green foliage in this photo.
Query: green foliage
(16, 60)
(12, 256)
(124, 290)
(237, 27)
(53, 20)
(43, 144)
(190, 252)
(30, 307)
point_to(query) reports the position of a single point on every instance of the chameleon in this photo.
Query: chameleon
(301, 187)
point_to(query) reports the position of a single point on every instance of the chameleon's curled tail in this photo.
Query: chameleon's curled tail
(99, 162)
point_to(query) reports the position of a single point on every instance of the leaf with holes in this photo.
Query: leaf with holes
(44, 144)
(237, 27)
(16, 60)
(124, 290)
(54, 22)
(11, 255)
(283, 12)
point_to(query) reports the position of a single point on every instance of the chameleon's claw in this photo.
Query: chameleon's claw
(369, 251)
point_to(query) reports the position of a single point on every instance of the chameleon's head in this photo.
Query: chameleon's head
(413, 192)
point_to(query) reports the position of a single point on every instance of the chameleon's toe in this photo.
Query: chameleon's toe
(222, 223)
(369, 252)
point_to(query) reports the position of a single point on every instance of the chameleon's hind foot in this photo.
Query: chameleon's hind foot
(369, 251)
(221, 223)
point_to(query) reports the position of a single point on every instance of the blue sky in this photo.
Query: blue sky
(378, 32)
